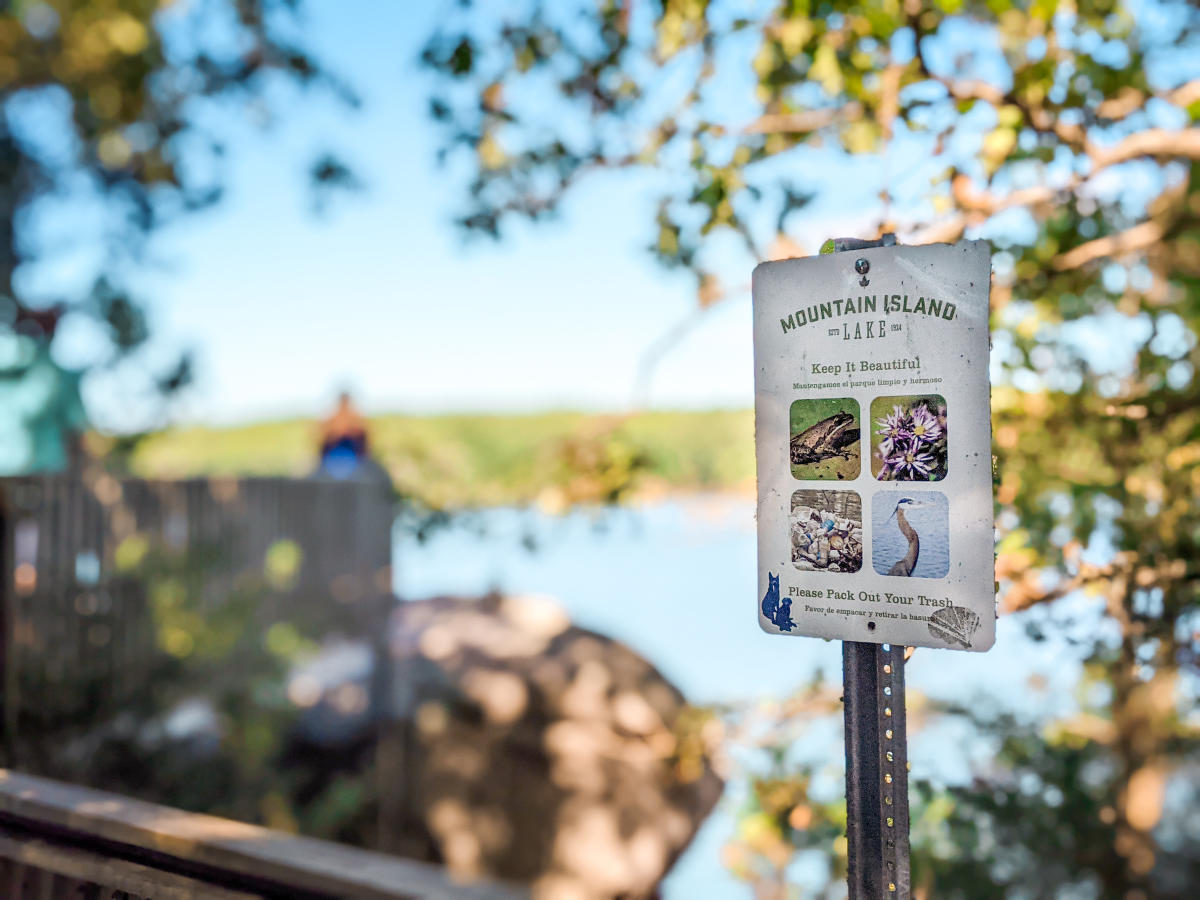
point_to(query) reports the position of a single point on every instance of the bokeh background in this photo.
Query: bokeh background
(519, 640)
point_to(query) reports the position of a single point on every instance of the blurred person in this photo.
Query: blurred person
(41, 411)
(343, 440)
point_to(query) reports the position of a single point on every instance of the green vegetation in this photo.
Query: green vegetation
(1067, 135)
(459, 461)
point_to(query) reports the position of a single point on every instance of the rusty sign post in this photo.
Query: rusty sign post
(876, 770)
(872, 424)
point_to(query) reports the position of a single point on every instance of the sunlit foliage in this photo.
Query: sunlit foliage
(1066, 133)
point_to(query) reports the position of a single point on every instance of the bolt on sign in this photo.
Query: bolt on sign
(873, 432)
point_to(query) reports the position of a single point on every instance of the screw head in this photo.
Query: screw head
(862, 266)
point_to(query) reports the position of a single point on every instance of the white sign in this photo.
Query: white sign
(873, 433)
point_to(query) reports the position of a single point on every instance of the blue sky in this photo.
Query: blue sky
(283, 306)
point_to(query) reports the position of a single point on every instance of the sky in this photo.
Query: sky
(284, 306)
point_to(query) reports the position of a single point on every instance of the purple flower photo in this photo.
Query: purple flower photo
(908, 438)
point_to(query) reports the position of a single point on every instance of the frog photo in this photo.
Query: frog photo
(825, 439)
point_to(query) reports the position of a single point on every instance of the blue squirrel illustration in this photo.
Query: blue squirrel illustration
(779, 611)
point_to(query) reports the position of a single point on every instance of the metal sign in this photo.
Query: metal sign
(873, 436)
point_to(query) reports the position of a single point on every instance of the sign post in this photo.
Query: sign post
(876, 770)
(873, 444)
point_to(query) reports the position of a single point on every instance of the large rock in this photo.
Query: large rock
(538, 751)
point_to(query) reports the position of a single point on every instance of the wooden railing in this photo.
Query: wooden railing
(61, 842)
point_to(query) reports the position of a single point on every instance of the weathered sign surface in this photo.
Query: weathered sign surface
(873, 435)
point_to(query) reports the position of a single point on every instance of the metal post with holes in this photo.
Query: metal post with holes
(876, 741)
(876, 771)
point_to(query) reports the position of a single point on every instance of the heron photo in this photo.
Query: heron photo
(908, 438)
(826, 530)
(910, 534)
(825, 439)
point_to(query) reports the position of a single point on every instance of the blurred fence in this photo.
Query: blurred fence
(78, 634)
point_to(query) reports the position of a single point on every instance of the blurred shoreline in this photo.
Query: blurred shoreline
(551, 460)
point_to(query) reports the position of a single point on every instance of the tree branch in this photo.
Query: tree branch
(1157, 143)
(978, 206)
(802, 122)
(1130, 100)
(1025, 593)
(1139, 237)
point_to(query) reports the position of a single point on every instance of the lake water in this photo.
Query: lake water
(677, 582)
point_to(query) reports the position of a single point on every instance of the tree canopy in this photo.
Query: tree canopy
(106, 135)
(1067, 135)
